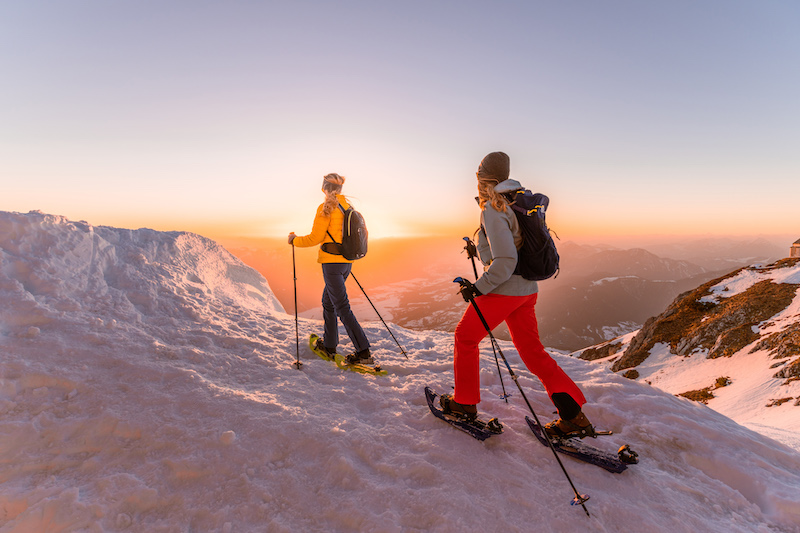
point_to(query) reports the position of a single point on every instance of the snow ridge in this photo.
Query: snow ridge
(53, 266)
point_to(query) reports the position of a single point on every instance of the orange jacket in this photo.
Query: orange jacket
(319, 232)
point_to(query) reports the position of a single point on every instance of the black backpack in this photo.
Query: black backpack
(354, 236)
(538, 257)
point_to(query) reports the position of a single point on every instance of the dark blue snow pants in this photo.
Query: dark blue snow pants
(335, 304)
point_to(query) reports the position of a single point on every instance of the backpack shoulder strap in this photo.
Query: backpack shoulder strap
(344, 212)
(331, 236)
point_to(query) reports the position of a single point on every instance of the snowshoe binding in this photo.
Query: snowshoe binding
(578, 427)
(460, 410)
(316, 345)
(627, 456)
(360, 358)
(357, 362)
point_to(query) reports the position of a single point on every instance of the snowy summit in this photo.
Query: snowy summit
(146, 384)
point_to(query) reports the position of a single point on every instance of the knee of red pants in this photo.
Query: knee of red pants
(546, 368)
(470, 330)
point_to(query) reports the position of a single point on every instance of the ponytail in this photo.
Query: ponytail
(331, 186)
(487, 194)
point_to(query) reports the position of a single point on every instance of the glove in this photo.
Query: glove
(468, 291)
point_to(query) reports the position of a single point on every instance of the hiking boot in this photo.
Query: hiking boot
(319, 346)
(452, 407)
(360, 358)
(566, 429)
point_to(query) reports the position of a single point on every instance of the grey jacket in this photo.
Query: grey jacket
(498, 241)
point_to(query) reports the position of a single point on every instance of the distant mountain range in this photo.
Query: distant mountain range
(600, 292)
(722, 253)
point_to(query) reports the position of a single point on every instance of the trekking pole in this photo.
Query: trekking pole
(579, 499)
(472, 253)
(379, 315)
(505, 395)
(297, 364)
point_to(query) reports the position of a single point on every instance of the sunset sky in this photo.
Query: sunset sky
(635, 117)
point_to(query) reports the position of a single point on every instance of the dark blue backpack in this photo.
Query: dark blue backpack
(538, 257)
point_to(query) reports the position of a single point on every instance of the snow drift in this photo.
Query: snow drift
(146, 384)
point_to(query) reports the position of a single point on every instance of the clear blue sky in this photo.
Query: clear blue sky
(221, 117)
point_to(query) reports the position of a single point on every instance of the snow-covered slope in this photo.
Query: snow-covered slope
(133, 397)
(733, 343)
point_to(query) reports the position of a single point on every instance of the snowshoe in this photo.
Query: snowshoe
(361, 368)
(477, 427)
(316, 346)
(580, 450)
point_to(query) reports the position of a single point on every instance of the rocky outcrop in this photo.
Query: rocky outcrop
(782, 344)
(697, 323)
(599, 352)
(790, 371)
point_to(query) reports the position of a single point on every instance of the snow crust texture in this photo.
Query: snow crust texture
(146, 384)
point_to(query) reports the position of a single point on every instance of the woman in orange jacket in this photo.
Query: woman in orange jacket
(327, 231)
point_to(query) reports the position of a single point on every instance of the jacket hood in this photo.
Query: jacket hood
(508, 185)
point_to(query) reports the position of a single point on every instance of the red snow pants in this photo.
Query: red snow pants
(520, 316)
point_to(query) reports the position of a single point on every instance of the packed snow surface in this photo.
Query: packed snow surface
(147, 384)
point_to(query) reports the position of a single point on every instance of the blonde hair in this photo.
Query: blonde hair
(331, 185)
(487, 195)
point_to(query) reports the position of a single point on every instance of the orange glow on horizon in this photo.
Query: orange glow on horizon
(570, 224)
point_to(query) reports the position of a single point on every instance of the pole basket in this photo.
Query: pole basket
(580, 499)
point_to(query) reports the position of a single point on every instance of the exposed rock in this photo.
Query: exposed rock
(599, 352)
(702, 395)
(779, 401)
(721, 329)
(733, 340)
(722, 382)
(782, 344)
(791, 370)
(631, 374)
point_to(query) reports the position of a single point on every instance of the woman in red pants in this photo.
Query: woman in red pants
(502, 295)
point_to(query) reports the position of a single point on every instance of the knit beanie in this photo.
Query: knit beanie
(494, 167)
